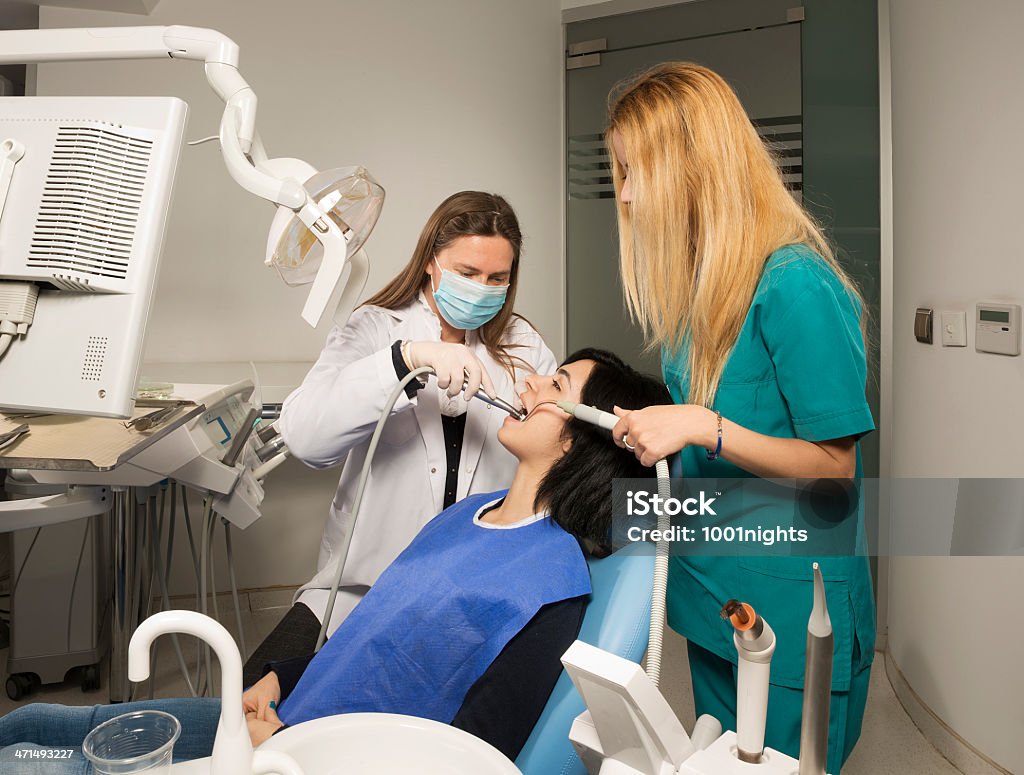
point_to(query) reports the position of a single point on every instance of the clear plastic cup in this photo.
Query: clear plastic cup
(133, 742)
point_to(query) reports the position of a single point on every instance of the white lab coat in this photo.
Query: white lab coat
(328, 421)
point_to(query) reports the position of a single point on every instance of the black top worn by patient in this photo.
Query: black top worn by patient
(504, 703)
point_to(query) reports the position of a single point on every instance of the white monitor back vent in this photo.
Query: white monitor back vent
(90, 205)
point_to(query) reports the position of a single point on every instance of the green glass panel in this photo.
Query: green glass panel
(839, 49)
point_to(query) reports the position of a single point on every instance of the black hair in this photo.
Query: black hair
(577, 490)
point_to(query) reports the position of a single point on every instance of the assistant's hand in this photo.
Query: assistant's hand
(453, 364)
(659, 431)
(261, 730)
(258, 697)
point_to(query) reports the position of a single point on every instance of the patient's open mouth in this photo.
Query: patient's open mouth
(529, 412)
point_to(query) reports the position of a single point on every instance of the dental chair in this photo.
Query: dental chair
(617, 620)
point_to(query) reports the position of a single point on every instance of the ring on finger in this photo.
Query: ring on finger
(625, 440)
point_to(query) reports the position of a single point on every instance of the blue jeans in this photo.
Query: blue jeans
(40, 726)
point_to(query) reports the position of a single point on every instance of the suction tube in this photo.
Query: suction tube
(817, 684)
(659, 587)
(590, 414)
(755, 644)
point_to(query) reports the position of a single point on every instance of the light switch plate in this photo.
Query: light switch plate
(954, 329)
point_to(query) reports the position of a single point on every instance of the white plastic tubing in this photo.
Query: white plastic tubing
(660, 585)
(364, 474)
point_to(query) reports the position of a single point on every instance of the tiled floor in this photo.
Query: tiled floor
(890, 743)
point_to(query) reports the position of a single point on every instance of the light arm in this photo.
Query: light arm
(218, 51)
(242, 150)
(77, 45)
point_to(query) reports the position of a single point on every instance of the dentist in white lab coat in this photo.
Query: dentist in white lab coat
(450, 308)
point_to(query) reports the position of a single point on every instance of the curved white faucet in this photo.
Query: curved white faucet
(232, 748)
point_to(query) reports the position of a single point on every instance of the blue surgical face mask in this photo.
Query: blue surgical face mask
(467, 304)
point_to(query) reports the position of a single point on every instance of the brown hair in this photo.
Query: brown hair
(465, 214)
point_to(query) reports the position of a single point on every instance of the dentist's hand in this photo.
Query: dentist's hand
(453, 364)
(256, 700)
(656, 432)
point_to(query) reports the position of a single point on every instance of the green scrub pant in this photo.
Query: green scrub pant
(714, 692)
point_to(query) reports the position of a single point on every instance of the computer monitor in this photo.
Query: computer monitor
(84, 211)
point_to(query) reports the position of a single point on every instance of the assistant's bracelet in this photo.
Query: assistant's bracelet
(713, 456)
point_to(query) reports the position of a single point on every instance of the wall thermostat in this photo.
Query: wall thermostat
(997, 328)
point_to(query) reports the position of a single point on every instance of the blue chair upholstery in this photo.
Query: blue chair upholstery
(617, 620)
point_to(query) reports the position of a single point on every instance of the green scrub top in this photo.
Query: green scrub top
(798, 370)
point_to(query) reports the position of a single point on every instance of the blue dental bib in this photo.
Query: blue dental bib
(439, 616)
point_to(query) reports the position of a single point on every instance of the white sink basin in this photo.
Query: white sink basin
(379, 744)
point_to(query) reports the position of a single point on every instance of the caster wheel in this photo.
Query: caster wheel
(19, 685)
(90, 678)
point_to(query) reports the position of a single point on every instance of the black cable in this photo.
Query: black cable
(191, 538)
(200, 680)
(161, 575)
(24, 562)
(74, 582)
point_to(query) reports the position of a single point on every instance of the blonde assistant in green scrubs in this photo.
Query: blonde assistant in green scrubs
(762, 348)
(797, 370)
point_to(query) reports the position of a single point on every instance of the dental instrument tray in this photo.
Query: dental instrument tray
(73, 443)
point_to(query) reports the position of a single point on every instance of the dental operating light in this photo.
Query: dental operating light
(98, 221)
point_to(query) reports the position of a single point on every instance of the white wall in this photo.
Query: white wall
(430, 97)
(956, 114)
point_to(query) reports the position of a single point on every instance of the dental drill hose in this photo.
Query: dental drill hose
(364, 475)
(659, 586)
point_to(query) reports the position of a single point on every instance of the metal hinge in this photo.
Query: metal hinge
(585, 53)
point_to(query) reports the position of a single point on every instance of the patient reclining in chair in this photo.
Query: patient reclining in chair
(467, 625)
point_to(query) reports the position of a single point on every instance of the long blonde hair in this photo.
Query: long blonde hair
(464, 214)
(708, 207)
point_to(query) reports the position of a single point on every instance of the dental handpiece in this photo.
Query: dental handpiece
(498, 402)
(817, 684)
(755, 645)
(589, 414)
